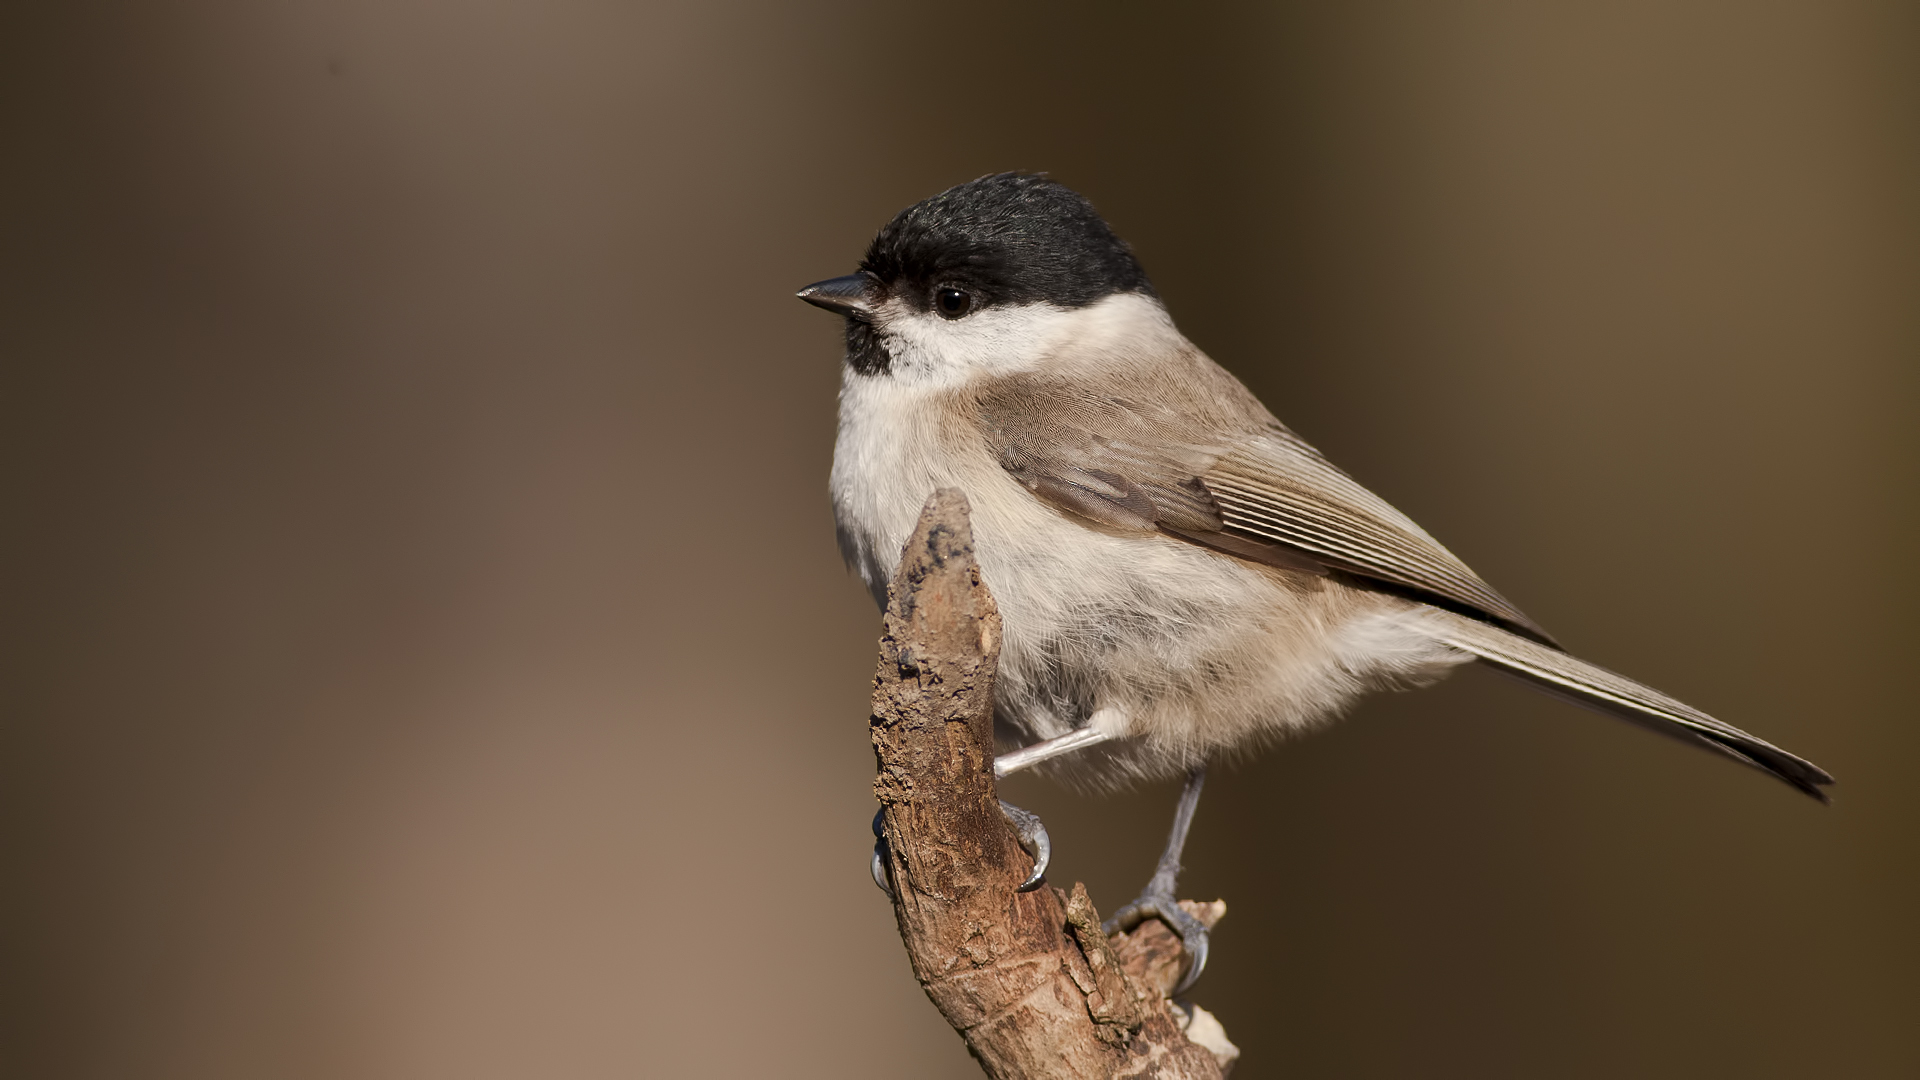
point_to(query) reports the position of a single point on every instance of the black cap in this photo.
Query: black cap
(1008, 238)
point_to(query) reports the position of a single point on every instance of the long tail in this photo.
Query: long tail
(1575, 680)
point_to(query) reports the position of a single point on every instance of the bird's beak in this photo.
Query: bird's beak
(851, 296)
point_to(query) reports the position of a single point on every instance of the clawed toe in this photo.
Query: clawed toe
(1193, 933)
(1027, 826)
(880, 856)
(1033, 840)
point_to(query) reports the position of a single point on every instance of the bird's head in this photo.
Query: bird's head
(987, 276)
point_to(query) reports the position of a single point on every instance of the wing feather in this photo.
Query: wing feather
(1276, 487)
(1200, 459)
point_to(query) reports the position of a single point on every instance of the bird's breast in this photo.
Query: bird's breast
(897, 444)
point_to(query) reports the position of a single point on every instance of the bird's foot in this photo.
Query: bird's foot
(1027, 827)
(880, 856)
(1033, 840)
(1159, 903)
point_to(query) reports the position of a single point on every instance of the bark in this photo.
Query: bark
(1027, 979)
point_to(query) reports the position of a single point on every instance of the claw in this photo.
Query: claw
(1193, 933)
(1033, 840)
(880, 851)
(1027, 826)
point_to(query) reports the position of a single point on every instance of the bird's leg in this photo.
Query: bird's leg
(1157, 901)
(1027, 757)
(1026, 824)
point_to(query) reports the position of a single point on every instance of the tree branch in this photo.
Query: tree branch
(1028, 979)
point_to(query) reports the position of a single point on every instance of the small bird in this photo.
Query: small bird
(1178, 573)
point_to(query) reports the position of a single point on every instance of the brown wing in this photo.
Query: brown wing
(1192, 454)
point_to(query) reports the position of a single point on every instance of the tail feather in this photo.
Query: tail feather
(1575, 680)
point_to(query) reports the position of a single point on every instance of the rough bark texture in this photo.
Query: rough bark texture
(1028, 979)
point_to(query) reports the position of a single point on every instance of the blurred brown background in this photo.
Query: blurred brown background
(429, 657)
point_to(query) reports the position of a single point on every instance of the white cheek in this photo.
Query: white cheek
(929, 350)
(932, 352)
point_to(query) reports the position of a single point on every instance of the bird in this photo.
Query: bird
(1179, 575)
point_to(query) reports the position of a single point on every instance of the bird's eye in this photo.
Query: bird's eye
(952, 303)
